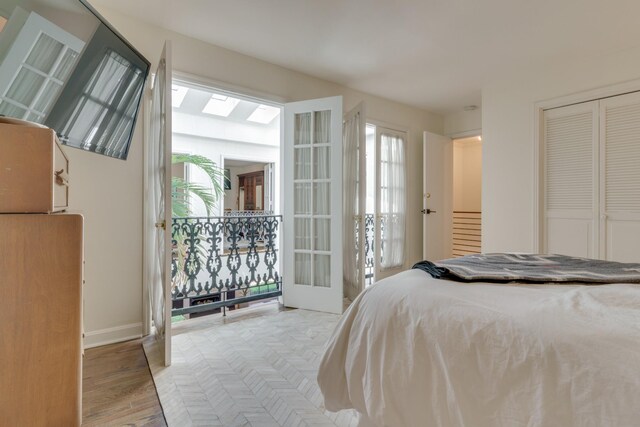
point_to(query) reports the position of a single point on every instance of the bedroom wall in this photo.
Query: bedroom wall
(463, 123)
(508, 137)
(111, 195)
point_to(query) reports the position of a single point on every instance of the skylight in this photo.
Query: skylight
(220, 105)
(177, 95)
(264, 114)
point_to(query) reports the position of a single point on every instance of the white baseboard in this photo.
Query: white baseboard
(112, 335)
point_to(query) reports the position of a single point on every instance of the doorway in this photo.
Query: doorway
(467, 196)
(226, 234)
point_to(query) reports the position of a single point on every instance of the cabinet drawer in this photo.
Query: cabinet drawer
(34, 171)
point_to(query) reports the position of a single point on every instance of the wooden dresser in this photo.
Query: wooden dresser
(41, 268)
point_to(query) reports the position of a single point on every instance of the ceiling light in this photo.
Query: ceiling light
(264, 114)
(220, 105)
(177, 95)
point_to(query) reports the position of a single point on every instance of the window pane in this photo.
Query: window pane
(302, 169)
(25, 87)
(44, 54)
(302, 198)
(321, 163)
(48, 95)
(322, 234)
(322, 127)
(302, 269)
(321, 198)
(65, 66)
(302, 129)
(322, 270)
(302, 233)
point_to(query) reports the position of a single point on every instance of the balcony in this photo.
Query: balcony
(224, 262)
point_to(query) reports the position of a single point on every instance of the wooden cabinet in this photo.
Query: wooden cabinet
(252, 186)
(41, 319)
(34, 171)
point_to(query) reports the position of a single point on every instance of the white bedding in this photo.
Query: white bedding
(416, 351)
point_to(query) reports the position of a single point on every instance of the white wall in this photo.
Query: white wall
(110, 191)
(467, 175)
(463, 122)
(508, 138)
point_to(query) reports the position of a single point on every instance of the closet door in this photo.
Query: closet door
(620, 180)
(571, 180)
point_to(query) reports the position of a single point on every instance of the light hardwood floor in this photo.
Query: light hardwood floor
(117, 388)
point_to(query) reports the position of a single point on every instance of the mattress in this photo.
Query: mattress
(412, 350)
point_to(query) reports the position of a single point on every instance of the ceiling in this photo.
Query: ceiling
(193, 101)
(433, 54)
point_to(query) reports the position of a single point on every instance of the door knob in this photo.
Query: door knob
(427, 211)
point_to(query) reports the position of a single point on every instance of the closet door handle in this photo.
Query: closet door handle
(427, 211)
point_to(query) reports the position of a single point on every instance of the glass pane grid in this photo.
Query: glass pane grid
(312, 191)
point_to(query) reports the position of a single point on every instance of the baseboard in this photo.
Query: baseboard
(112, 335)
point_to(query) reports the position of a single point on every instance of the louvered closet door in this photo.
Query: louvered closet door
(620, 161)
(570, 180)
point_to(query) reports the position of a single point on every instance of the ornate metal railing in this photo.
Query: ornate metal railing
(369, 246)
(220, 262)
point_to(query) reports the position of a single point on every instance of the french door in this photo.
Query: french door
(312, 155)
(158, 204)
(390, 202)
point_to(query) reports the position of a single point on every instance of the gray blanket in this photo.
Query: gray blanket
(505, 267)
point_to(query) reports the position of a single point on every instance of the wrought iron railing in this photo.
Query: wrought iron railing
(220, 262)
(370, 246)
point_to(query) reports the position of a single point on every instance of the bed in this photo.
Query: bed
(413, 350)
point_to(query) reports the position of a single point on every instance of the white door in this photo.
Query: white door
(437, 197)
(570, 180)
(158, 205)
(354, 198)
(312, 202)
(620, 178)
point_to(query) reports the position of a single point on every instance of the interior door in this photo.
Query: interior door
(158, 204)
(354, 200)
(312, 202)
(437, 196)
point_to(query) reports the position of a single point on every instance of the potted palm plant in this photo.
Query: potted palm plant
(183, 193)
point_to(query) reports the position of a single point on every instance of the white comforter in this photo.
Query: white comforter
(416, 351)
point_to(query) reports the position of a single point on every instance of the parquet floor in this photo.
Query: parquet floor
(118, 389)
(256, 367)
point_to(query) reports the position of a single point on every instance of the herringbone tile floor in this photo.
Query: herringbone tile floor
(256, 367)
